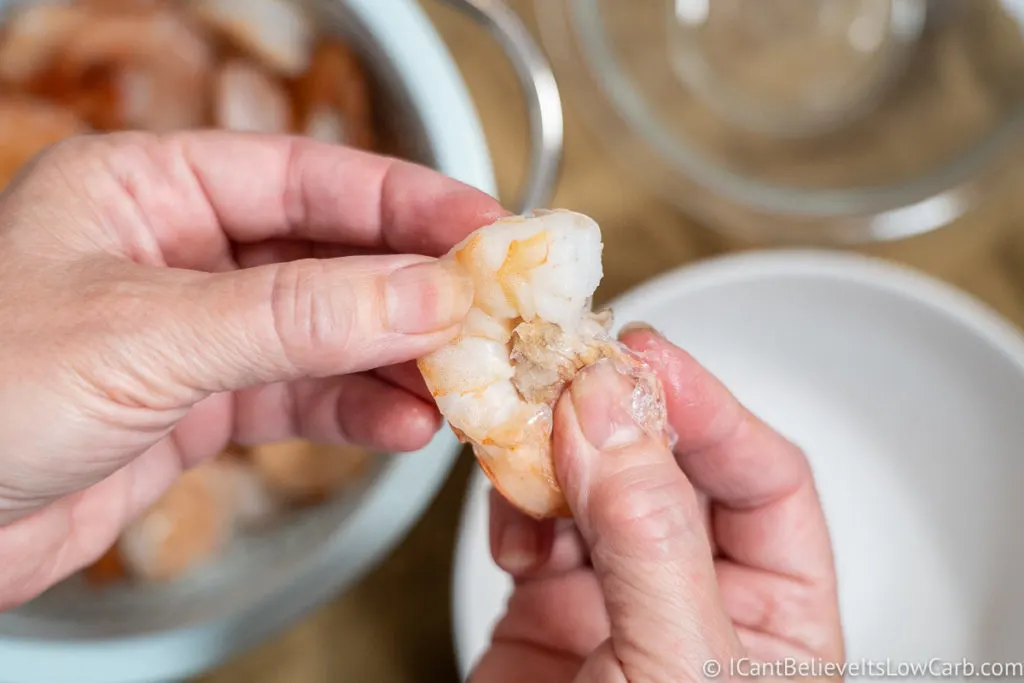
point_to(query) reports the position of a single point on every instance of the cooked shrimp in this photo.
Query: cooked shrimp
(106, 570)
(27, 126)
(158, 65)
(301, 473)
(32, 36)
(529, 331)
(124, 5)
(276, 32)
(194, 519)
(247, 99)
(334, 98)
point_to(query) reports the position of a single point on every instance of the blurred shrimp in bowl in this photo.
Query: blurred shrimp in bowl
(243, 545)
(73, 66)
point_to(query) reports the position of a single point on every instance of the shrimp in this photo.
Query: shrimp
(151, 66)
(124, 5)
(194, 519)
(300, 472)
(276, 32)
(333, 96)
(108, 569)
(529, 331)
(27, 127)
(32, 37)
(247, 99)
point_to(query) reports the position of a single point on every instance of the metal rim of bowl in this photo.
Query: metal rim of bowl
(403, 490)
(574, 37)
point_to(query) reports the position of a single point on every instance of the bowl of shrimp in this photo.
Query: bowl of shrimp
(245, 544)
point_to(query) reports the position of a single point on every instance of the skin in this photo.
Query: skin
(167, 295)
(164, 295)
(716, 551)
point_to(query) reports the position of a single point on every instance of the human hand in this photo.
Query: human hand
(164, 295)
(716, 553)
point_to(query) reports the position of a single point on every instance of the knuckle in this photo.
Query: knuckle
(110, 152)
(66, 151)
(651, 509)
(309, 312)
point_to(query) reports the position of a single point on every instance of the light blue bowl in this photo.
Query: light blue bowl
(172, 632)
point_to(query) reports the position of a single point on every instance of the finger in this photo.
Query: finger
(229, 331)
(767, 514)
(704, 504)
(514, 662)
(642, 523)
(204, 432)
(532, 549)
(283, 250)
(406, 376)
(197, 190)
(359, 409)
(767, 518)
(518, 544)
(552, 621)
(562, 611)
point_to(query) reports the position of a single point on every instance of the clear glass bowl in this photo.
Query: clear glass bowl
(801, 121)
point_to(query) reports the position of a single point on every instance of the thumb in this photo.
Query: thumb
(313, 317)
(641, 521)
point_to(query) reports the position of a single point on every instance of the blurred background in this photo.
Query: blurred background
(692, 128)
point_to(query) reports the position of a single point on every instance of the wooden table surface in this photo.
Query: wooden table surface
(395, 625)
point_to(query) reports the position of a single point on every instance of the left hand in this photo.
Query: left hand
(164, 295)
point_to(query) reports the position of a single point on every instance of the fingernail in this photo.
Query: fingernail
(427, 297)
(517, 548)
(638, 326)
(601, 399)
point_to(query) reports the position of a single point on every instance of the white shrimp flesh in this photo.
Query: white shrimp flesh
(530, 330)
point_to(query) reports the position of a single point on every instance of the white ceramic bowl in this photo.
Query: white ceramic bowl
(906, 396)
(171, 632)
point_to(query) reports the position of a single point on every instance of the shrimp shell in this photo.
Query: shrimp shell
(528, 333)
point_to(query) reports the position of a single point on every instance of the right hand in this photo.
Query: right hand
(677, 562)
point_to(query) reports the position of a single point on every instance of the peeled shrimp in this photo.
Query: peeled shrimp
(529, 331)
(32, 36)
(334, 96)
(300, 472)
(247, 99)
(27, 126)
(124, 5)
(194, 519)
(157, 67)
(277, 32)
(106, 570)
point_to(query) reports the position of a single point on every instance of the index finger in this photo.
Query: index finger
(200, 189)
